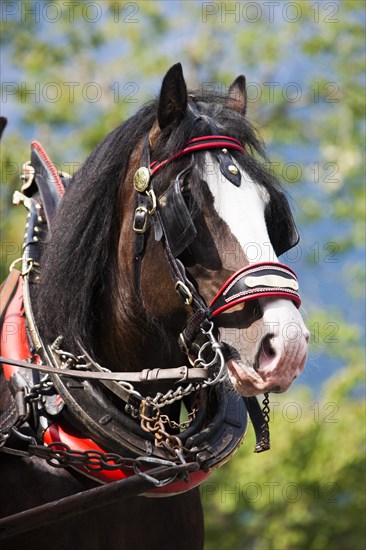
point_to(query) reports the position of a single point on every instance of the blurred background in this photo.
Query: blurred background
(72, 71)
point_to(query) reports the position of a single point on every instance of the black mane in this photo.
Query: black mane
(76, 260)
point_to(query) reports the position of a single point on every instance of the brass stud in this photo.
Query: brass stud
(141, 179)
(224, 151)
(233, 169)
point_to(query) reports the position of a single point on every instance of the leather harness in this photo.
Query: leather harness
(69, 412)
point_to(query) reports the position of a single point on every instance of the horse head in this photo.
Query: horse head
(215, 207)
(183, 179)
(148, 265)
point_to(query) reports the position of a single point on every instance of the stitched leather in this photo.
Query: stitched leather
(47, 179)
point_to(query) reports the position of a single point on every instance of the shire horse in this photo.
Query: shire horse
(115, 372)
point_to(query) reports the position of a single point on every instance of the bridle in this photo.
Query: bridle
(157, 438)
(173, 224)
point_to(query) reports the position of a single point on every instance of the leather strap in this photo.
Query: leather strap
(179, 374)
(88, 500)
(140, 223)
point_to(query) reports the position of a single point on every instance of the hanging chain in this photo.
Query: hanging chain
(264, 443)
(158, 427)
(266, 410)
(155, 423)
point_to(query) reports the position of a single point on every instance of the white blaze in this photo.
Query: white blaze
(242, 209)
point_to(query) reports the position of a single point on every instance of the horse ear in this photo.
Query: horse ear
(237, 96)
(173, 97)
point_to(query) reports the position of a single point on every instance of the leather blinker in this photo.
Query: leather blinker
(281, 225)
(176, 219)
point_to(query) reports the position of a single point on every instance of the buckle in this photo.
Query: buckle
(184, 292)
(140, 220)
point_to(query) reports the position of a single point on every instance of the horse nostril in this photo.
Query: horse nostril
(275, 389)
(265, 352)
(267, 347)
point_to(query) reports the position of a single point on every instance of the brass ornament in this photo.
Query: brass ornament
(233, 169)
(141, 179)
(274, 281)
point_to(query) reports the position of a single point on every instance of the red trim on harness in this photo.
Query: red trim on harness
(14, 342)
(274, 294)
(214, 138)
(51, 167)
(208, 142)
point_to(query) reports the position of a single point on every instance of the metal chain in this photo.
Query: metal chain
(160, 400)
(61, 455)
(179, 425)
(157, 426)
(264, 443)
(266, 410)
(44, 387)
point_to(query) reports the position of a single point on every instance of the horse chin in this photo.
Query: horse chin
(248, 382)
(244, 379)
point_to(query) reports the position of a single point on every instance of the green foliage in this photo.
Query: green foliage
(307, 492)
(75, 80)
